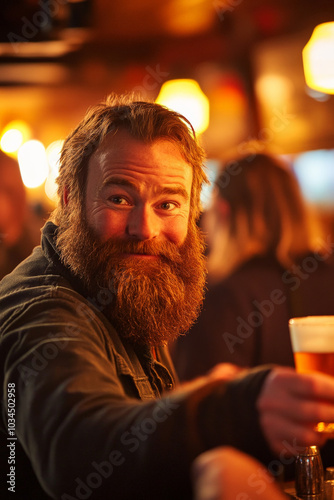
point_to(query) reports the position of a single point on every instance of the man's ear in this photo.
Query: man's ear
(65, 195)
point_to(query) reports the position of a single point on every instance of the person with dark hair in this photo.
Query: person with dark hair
(91, 406)
(267, 262)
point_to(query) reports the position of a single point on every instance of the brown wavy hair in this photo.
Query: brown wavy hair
(266, 207)
(146, 121)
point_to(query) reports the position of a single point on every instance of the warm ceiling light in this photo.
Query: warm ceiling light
(186, 97)
(14, 135)
(318, 59)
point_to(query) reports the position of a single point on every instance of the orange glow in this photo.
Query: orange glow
(186, 97)
(14, 135)
(318, 59)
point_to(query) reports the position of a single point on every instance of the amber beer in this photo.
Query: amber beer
(312, 339)
(315, 361)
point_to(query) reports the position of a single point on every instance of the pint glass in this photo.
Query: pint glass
(312, 339)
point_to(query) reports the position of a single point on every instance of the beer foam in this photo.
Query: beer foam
(312, 334)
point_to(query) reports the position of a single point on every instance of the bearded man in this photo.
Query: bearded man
(131, 226)
(86, 319)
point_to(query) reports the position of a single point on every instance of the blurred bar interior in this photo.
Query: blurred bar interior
(243, 58)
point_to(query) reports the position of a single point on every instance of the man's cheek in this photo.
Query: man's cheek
(178, 233)
(108, 225)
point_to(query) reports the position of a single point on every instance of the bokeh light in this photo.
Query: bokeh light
(14, 135)
(318, 59)
(53, 155)
(33, 163)
(186, 97)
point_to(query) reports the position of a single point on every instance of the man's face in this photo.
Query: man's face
(135, 238)
(138, 191)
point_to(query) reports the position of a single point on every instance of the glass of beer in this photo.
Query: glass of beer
(312, 339)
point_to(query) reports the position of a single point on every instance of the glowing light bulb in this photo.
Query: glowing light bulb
(33, 163)
(186, 97)
(318, 59)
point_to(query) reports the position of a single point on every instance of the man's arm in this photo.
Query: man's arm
(81, 430)
(85, 436)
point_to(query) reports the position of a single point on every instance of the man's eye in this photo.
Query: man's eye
(168, 205)
(118, 200)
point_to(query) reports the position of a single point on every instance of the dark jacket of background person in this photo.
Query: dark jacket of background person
(245, 317)
(103, 423)
(267, 263)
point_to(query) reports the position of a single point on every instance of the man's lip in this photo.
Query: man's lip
(141, 255)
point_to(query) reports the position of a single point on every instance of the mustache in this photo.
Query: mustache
(166, 250)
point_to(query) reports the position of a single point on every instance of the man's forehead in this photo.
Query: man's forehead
(122, 139)
(122, 152)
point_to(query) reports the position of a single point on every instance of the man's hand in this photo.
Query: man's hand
(291, 404)
(225, 371)
(225, 473)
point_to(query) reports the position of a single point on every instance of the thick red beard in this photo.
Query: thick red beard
(151, 301)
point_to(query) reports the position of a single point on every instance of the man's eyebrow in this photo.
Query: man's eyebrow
(163, 190)
(117, 181)
(174, 190)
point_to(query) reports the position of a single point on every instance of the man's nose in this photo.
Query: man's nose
(143, 224)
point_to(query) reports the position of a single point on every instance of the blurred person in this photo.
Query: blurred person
(86, 377)
(17, 238)
(268, 261)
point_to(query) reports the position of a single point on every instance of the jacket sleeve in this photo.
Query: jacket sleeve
(86, 438)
